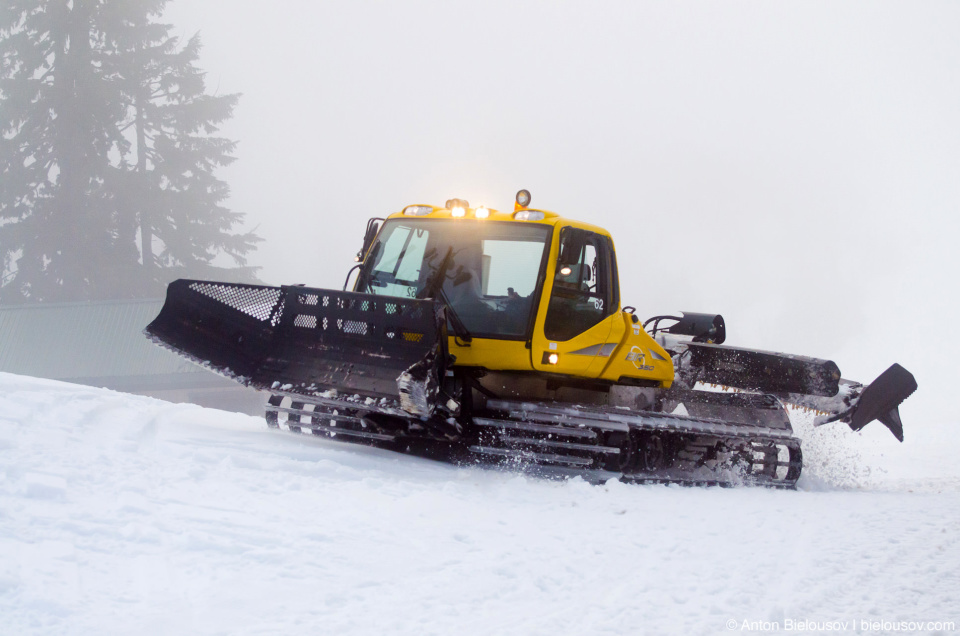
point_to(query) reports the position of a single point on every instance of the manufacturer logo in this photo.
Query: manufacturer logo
(639, 359)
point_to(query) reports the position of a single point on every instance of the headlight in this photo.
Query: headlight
(417, 210)
(550, 357)
(523, 198)
(457, 212)
(481, 212)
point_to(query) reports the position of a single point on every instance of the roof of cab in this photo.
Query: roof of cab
(442, 213)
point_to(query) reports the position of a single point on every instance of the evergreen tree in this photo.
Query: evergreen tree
(107, 155)
(182, 223)
(59, 115)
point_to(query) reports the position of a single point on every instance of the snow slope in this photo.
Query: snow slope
(122, 514)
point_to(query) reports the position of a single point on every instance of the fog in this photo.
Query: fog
(793, 166)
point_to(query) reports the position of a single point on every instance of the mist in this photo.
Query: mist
(793, 166)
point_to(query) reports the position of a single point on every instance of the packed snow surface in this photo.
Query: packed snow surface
(127, 515)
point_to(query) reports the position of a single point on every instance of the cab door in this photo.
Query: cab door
(578, 325)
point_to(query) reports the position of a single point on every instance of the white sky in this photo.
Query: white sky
(794, 166)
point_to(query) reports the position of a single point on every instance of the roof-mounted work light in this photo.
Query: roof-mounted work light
(523, 198)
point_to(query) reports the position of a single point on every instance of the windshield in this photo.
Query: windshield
(487, 271)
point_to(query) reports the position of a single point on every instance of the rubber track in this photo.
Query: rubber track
(754, 454)
(576, 439)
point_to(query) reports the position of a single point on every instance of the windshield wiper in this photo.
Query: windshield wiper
(458, 327)
(435, 288)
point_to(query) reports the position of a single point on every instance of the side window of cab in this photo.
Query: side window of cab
(584, 287)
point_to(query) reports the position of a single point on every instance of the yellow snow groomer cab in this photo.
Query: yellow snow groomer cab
(526, 290)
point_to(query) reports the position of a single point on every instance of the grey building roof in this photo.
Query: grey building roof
(96, 343)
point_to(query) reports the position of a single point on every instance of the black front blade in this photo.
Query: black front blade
(763, 371)
(300, 338)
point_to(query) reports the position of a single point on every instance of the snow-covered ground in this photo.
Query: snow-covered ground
(127, 515)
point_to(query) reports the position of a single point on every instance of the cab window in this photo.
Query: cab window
(487, 272)
(399, 259)
(584, 286)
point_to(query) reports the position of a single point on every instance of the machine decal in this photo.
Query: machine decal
(638, 358)
(603, 350)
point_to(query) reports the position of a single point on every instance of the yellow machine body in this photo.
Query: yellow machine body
(610, 345)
